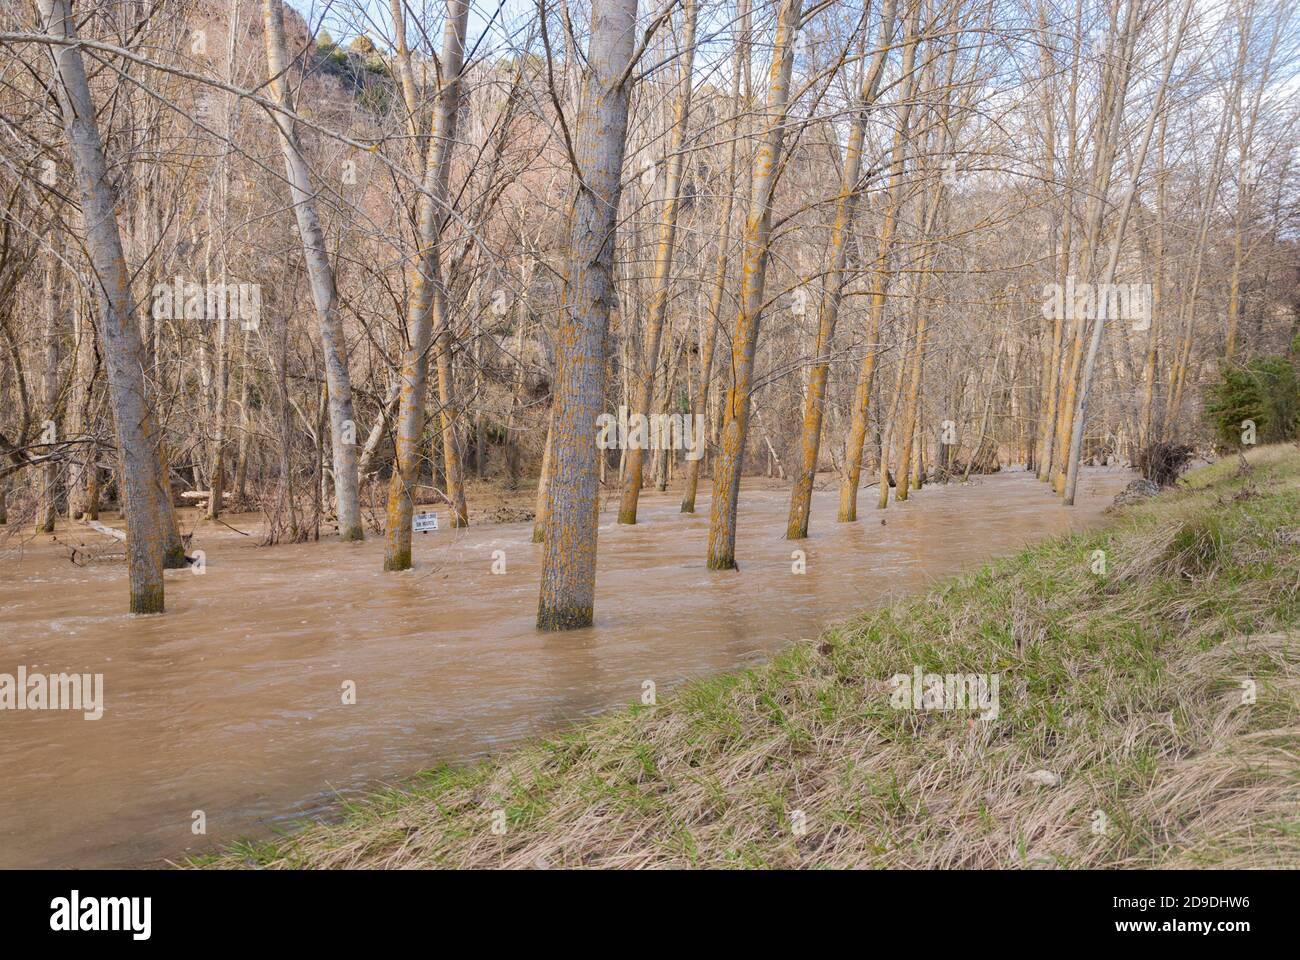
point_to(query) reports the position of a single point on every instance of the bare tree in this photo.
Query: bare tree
(321, 277)
(137, 427)
(568, 592)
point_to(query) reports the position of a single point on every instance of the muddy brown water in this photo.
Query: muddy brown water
(231, 702)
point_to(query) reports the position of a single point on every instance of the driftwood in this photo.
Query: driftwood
(200, 498)
(83, 553)
(119, 537)
(105, 530)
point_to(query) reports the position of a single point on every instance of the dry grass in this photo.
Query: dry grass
(1125, 688)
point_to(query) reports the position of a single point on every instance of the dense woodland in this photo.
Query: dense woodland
(872, 245)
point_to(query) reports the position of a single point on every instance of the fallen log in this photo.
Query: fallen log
(121, 535)
(105, 530)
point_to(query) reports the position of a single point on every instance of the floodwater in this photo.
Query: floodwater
(232, 702)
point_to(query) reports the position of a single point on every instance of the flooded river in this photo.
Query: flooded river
(232, 702)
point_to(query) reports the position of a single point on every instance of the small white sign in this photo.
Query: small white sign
(424, 522)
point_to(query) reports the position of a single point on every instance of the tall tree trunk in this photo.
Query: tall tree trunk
(1099, 324)
(852, 475)
(216, 473)
(543, 493)
(245, 432)
(451, 458)
(891, 422)
(83, 472)
(1146, 435)
(1051, 418)
(426, 285)
(644, 378)
(133, 413)
(739, 63)
(810, 437)
(568, 589)
(221, 367)
(1107, 136)
(321, 277)
(744, 338)
(48, 510)
(516, 389)
(909, 468)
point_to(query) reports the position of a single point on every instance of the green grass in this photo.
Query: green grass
(1127, 686)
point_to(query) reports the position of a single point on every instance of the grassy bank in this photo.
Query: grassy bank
(1119, 692)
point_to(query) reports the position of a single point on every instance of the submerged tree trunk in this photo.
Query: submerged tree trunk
(133, 412)
(887, 441)
(321, 277)
(48, 510)
(543, 493)
(425, 284)
(245, 438)
(217, 471)
(649, 360)
(83, 472)
(848, 506)
(1099, 324)
(833, 289)
(740, 61)
(568, 590)
(744, 337)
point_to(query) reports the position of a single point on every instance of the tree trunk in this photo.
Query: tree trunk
(714, 321)
(83, 472)
(48, 510)
(543, 494)
(133, 412)
(321, 277)
(852, 475)
(887, 441)
(245, 433)
(832, 291)
(744, 337)
(644, 378)
(1099, 325)
(568, 589)
(425, 283)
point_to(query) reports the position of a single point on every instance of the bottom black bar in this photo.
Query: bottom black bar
(333, 910)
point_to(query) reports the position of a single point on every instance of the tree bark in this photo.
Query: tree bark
(1099, 324)
(740, 62)
(645, 376)
(426, 287)
(852, 476)
(320, 275)
(833, 290)
(744, 338)
(133, 413)
(568, 589)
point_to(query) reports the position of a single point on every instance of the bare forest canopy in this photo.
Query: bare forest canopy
(607, 245)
